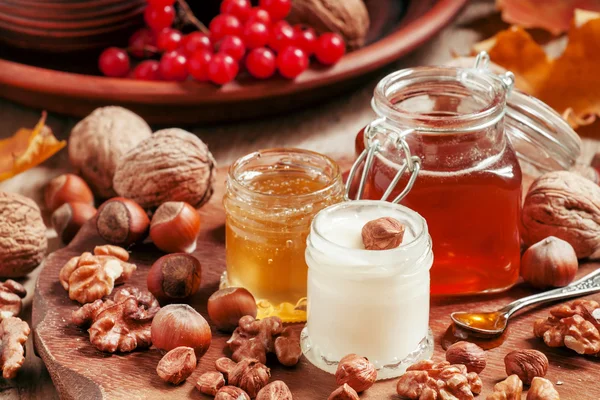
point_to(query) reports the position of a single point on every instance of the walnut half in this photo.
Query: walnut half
(91, 277)
(122, 324)
(13, 335)
(571, 325)
(427, 380)
(11, 295)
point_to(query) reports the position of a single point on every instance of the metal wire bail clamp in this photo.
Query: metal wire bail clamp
(412, 164)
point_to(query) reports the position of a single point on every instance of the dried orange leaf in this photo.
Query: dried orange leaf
(554, 16)
(570, 81)
(27, 148)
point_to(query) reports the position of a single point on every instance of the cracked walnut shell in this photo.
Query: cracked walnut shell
(565, 205)
(509, 389)
(122, 324)
(98, 142)
(23, 242)
(171, 165)
(427, 380)
(90, 277)
(13, 335)
(572, 325)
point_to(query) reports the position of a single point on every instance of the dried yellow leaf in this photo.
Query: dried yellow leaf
(27, 148)
(569, 82)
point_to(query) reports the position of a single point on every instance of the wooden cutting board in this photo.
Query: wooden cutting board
(81, 372)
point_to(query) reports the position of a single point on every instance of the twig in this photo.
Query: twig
(189, 17)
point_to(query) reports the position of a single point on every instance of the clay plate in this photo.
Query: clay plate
(397, 28)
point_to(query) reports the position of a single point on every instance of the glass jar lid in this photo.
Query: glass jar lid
(543, 140)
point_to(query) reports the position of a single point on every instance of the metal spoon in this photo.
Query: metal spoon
(495, 322)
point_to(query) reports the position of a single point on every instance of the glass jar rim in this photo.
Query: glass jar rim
(489, 114)
(234, 173)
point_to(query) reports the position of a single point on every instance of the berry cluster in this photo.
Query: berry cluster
(257, 38)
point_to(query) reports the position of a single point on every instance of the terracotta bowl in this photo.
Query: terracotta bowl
(63, 26)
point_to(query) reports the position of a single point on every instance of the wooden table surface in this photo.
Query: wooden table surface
(327, 128)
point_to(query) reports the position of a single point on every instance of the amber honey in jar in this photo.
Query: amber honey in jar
(472, 135)
(271, 198)
(469, 184)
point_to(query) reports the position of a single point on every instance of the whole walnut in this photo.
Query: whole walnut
(99, 140)
(171, 165)
(349, 18)
(23, 241)
(567, 206)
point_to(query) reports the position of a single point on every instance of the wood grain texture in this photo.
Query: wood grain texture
(79, 370)
(193, 102)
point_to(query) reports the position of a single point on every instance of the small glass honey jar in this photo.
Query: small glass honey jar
(270, 200)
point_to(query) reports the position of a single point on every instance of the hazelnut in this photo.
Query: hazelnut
(70, 217)
(23, 242)
(231, 393)
(99, 141)
(358, 372)
(227, 306)
(549, 263)
(175, 227)
(276, 390)
(383, 234)
(542, 389)
(122, 221)
(174, 276)
(210, 383)
(469, 354)
(526, 364)
(67, 188)
(225, 365)
(250, 376)
(344, 392)
(177, 365)
(171, 165)
(178, 325)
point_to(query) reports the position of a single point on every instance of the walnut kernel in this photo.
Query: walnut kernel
(427, 380)
(122, 324)
(23, 242)
(542, 389)
(11, 295)
(509, 389)
(287, 347)
(13, 335)
(177, 365)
